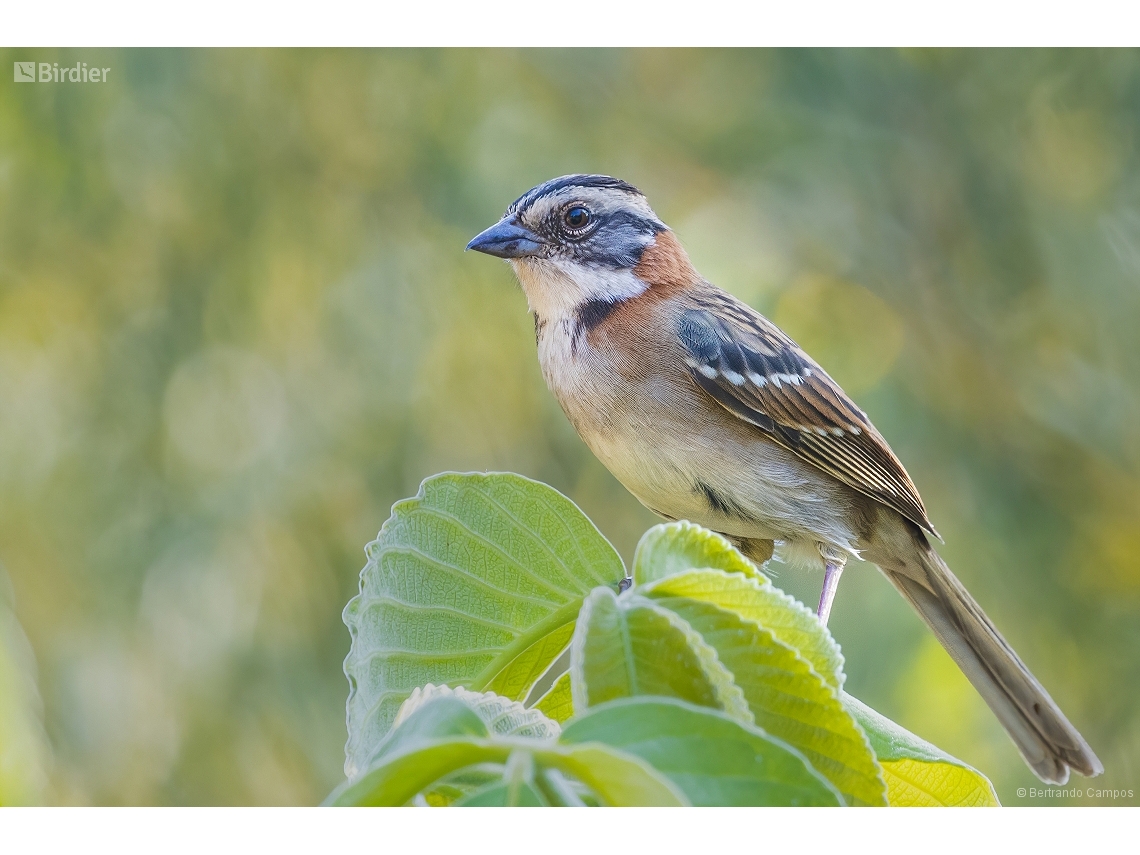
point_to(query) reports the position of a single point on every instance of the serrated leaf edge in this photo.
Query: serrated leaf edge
(681, 529)
(482, 704)
(374, 549)
(835, 693)
(727, 693)
(765, 589)
(750, 727)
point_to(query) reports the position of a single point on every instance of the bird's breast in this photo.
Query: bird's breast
(673, 447)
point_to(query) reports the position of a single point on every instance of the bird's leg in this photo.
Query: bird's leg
(833, 561)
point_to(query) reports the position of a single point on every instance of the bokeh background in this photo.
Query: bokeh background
(237, 323)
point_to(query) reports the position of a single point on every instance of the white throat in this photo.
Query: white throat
(555, 289)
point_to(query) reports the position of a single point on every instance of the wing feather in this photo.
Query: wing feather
(749, 366)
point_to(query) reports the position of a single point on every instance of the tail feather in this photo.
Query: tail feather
(1048, 742)
(1045, 738)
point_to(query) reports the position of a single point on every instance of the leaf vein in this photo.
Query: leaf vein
(427, 654)
(542, 542)
(433, 607)
(443, 565)
(494, 547)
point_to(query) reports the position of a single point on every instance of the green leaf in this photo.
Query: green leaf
(439, 718)
(558, 702)
(625, 646)
(785, 694)
(754, 599)
(713, 758)
(616, 778)
(516, 679)
(501, 715)
(503, 795)
(917, 773)
(397, 778)
(524, 784)
(516, 788)
(545, 787)
(463, 586)
(560, 791)
(432, 715)
(678, 546)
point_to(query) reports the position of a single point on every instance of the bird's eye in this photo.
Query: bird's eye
(577, 218)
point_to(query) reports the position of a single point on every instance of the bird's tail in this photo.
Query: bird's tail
(1050, 745)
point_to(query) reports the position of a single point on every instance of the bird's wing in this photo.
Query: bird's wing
(760, 375)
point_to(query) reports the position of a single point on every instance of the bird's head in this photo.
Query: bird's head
(579, 239)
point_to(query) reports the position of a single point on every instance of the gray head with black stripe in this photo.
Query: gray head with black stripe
(591, 219)
(574, 239)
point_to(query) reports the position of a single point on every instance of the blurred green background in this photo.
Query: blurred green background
(237, 323)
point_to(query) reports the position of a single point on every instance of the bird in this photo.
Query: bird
(706, 411)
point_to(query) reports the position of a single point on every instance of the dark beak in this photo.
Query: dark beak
(507, 239)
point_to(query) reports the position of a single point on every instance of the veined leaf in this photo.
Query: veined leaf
(616, 778)
(754, 599)
(439, 718)
(705, 671)
(444, 740)
(713, 758)
(788, 698)
(462, 586)
(437, 713)
(501, 715)
(558, 702)
(678, 546)
(625, 646)
(399, 777)
(917, 773)
(516, 679)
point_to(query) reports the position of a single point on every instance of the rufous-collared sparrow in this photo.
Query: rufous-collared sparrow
(706, 411)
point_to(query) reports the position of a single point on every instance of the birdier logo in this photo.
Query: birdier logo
(50, 72)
